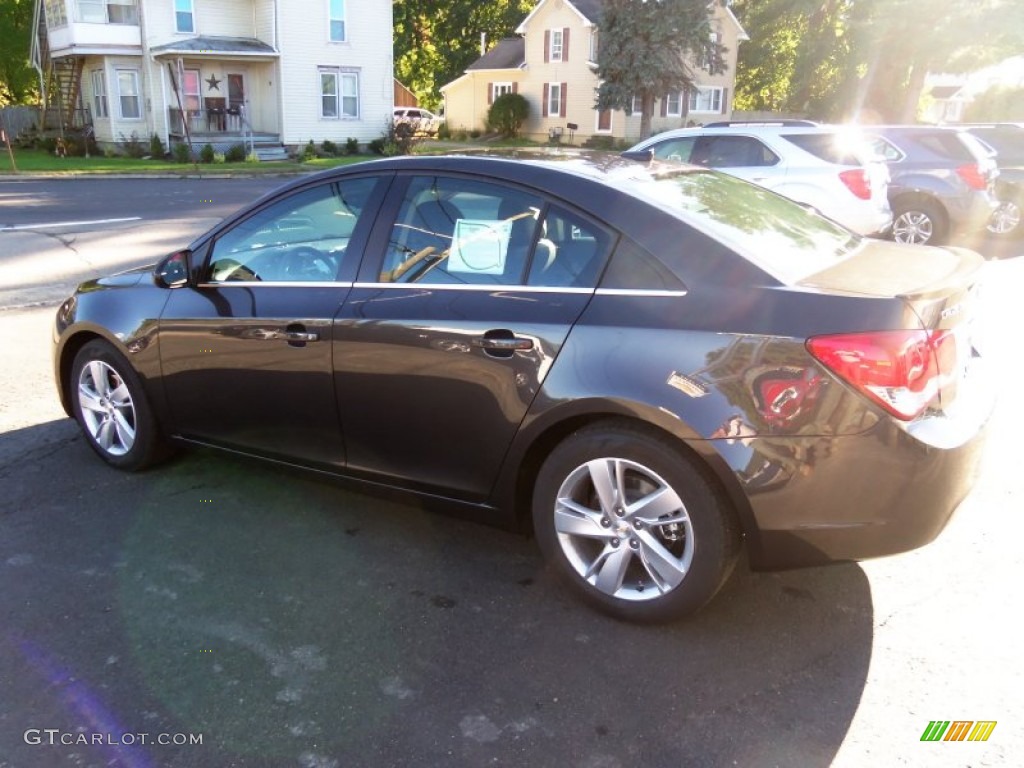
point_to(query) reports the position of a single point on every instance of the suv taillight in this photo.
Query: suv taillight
(901, 371)
(857, 182)
(973, 176)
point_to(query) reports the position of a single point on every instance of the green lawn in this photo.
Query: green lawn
(39, 161)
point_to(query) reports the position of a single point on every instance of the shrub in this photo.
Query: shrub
(444, 132)
(309, 151)
(252, 158)
(235, 153)
(377, 145)
(475, 133)
(156, 146)
(218, 158)
(508, 113)
(351, 146)
(181, 153)
(206, 153)
(132, 146)
(329, 148)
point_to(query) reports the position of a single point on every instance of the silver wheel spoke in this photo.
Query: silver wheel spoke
(576, 520)
(665, 569)
(98, 374)
(88, 399)
(120, 397)
(611, 569)
(605, 474)
(663, 501)
(125, 431)
(105, 435)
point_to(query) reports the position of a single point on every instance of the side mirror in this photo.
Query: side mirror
(175, 270)
(643, 155)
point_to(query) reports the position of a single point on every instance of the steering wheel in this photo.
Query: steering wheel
(227, 270)
(307, 263)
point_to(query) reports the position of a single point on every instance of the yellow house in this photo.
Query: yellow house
(552, 62)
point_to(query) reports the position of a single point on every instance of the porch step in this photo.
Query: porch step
(270, 154)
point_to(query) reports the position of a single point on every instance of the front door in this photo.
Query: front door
(236, 90)
(246, 354)
(442, 346)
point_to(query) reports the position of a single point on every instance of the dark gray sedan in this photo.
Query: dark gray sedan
(654, 368)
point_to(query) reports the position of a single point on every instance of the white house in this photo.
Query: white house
(281, 72)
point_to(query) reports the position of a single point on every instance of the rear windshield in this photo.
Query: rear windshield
(830, 147)
(781, 237)
(1009, 143)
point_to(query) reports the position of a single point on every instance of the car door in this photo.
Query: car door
(745, 157)
(444, 343)
(246, 353)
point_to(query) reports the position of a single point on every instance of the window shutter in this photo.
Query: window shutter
(562, 100)
(725, 98)
(547, 45)
(515, 87)
(490, 93)
(565, 44)
(664, 105)
(544, 104)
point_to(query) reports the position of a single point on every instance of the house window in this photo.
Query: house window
(674, 104)
(99, 94)
(339, 94)
(637, 107)
(128, 94)
(555, 49)
(191, 90)
(705, 99)
(336, 13)
(593, 46)
(707, 56)
(106, 11)
(184, 16)
(500, 89)
(56, 13)
(555, 100)
(604, 121)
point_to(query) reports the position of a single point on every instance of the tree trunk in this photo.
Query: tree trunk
(646, 112)
(914, 89)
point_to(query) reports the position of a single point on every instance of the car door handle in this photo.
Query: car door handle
(513, 344)
(298, 336)
(276, 334)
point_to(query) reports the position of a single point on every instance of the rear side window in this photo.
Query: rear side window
(830, 147)
(946, 145)
(732, 152)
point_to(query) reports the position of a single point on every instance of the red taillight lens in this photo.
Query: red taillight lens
(857, 182)
(899, 370)
(973, 176)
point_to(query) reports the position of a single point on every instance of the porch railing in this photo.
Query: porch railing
(205, 121)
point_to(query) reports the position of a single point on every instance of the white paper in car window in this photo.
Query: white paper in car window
(479, 246)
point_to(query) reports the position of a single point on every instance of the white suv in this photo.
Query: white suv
(827, 167)
(422, 121)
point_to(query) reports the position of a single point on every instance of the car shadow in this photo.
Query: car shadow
(289, 620)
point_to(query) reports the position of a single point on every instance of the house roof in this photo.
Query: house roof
(945, 91)
(209, 44)
(509, 53)
(591, 10)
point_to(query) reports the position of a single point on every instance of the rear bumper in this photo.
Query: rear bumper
(891, 489)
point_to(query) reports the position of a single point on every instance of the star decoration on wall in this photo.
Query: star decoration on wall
(213, 82)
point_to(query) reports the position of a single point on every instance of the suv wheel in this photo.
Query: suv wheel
(1005, 219)
(918, 222)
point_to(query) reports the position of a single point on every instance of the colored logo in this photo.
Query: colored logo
(958, 730)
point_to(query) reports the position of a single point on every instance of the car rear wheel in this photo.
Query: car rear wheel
(632, 524)
(1005, 219)
(918, 222)
(111, 407)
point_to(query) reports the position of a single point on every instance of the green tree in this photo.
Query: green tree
(999, 103)
(646, 49)
(435, 42)
(508, 113)
(19, 83)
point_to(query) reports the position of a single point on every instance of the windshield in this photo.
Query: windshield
(785, 239)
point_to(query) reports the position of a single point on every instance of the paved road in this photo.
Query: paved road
(292, 621)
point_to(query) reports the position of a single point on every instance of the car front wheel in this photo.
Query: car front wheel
(111, 407)
(632, 524)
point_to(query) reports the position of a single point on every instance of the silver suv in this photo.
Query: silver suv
(827, 167)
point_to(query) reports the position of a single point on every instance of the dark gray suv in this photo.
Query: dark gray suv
(941, 181)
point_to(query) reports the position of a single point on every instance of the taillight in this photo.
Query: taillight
(857, 182)
(973, 176)
(901, 371)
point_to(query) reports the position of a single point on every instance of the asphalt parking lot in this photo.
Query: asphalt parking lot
(288, 620)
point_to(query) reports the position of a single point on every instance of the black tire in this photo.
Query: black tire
(117, 421)
(919, 221)
(693, 550)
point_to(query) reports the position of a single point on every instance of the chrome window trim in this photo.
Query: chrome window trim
(490, 287)
(655, 292)
(276, 284)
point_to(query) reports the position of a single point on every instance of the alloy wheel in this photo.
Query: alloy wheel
(914, 227)
(108, 412)
(1005, 219)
